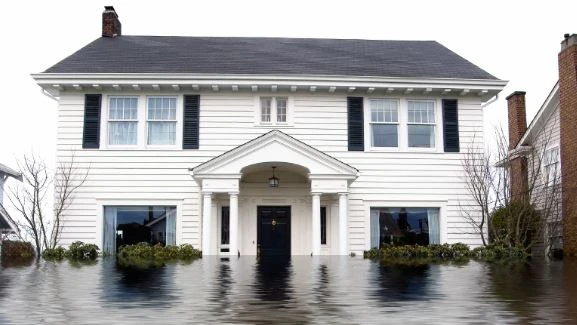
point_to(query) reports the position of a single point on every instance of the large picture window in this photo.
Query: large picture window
(404, 226)
(385, 123)
(127, 225)
(122, 120)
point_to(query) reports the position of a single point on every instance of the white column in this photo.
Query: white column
(233, 245)
(316, 244)
(343, 224)
(206, 223)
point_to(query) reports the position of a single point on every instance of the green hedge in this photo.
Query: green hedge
(445, 252)
(17, 249)
(77, 251)
(143, 255)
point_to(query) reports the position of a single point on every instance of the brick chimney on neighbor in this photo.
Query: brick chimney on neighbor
(111, 26)
(517, 128)
(568, 145)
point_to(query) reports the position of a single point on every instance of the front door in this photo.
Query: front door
(274, 230)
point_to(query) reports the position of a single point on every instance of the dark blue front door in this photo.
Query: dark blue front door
(274, 230)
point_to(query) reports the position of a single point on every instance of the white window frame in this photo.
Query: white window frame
(273, 111)
(545, 166)
(141, 139)
(441, 205)
(106, 118)
(178, 125)
(435, 125)
(398, 123)
(403, 126)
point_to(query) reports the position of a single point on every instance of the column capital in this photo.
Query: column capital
(206, 193)
(233, 193)
(316, 193)
(343, 193)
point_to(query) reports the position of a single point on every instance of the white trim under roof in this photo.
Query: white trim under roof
(542, 115)
(54, 83)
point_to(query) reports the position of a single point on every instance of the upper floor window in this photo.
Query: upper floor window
(273, 110)
(551, 166)
(385, 122)
(122, 120)
(161, 121)
(421, 124)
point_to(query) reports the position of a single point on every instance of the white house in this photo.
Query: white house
(544, 154)
(277, 145)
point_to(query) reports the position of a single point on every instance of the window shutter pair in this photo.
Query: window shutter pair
(91, 130)
(356, 136)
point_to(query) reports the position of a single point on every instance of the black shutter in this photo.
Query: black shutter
(191, 122)
(91, 131)
(355, 124)
(451, 125)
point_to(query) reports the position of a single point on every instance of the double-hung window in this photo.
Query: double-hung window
(551, 166)
(161, 121)
(385, 122)
(273, 110)
(122, 120)
(421, 124)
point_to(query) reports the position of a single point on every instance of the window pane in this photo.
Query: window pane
(422, 136)
(384, 110)
(281, 109)
(323, 225)
(225, 226)
(265, 109)
(122, 133)
(385, 135)
(404, 226)
(421, 112)
(161, 133)
(161, 108)
(123, 108)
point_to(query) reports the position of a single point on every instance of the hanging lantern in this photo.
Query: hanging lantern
(273, 181)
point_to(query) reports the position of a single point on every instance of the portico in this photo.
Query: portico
(309, 181)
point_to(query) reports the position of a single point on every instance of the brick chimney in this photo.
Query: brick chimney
(568, 145)
(111, 26)
(517, 128)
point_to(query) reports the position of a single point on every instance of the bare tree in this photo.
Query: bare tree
(30, 198)
(522, 219)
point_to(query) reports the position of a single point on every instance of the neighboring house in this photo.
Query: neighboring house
(8, 227)
(270, 145)
(544, 155)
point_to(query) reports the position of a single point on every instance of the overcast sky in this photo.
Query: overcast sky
(516, 41)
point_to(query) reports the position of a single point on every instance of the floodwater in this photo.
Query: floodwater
(300, 290)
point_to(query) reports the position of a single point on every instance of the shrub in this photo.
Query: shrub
(17, 249)
(57, 253)
(446, 252)
(515, 225)
(82, 251)
(143, 255)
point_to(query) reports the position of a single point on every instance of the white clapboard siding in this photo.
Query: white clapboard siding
(229, 120)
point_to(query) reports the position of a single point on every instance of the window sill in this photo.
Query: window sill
(272, 125)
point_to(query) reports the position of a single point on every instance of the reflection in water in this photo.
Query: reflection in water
(273, 278)
(131, 287)
(297, 290)
(392, 282)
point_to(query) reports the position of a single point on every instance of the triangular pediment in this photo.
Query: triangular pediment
(274, 146)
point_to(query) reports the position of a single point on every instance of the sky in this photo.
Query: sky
(516, 41)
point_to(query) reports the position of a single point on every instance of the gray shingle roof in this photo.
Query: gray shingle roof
(269, 56)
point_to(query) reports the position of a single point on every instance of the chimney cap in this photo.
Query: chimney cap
(516, 93)
(109, 8)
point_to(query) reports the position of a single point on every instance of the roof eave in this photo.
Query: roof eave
(543, 114)
(56, 82)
